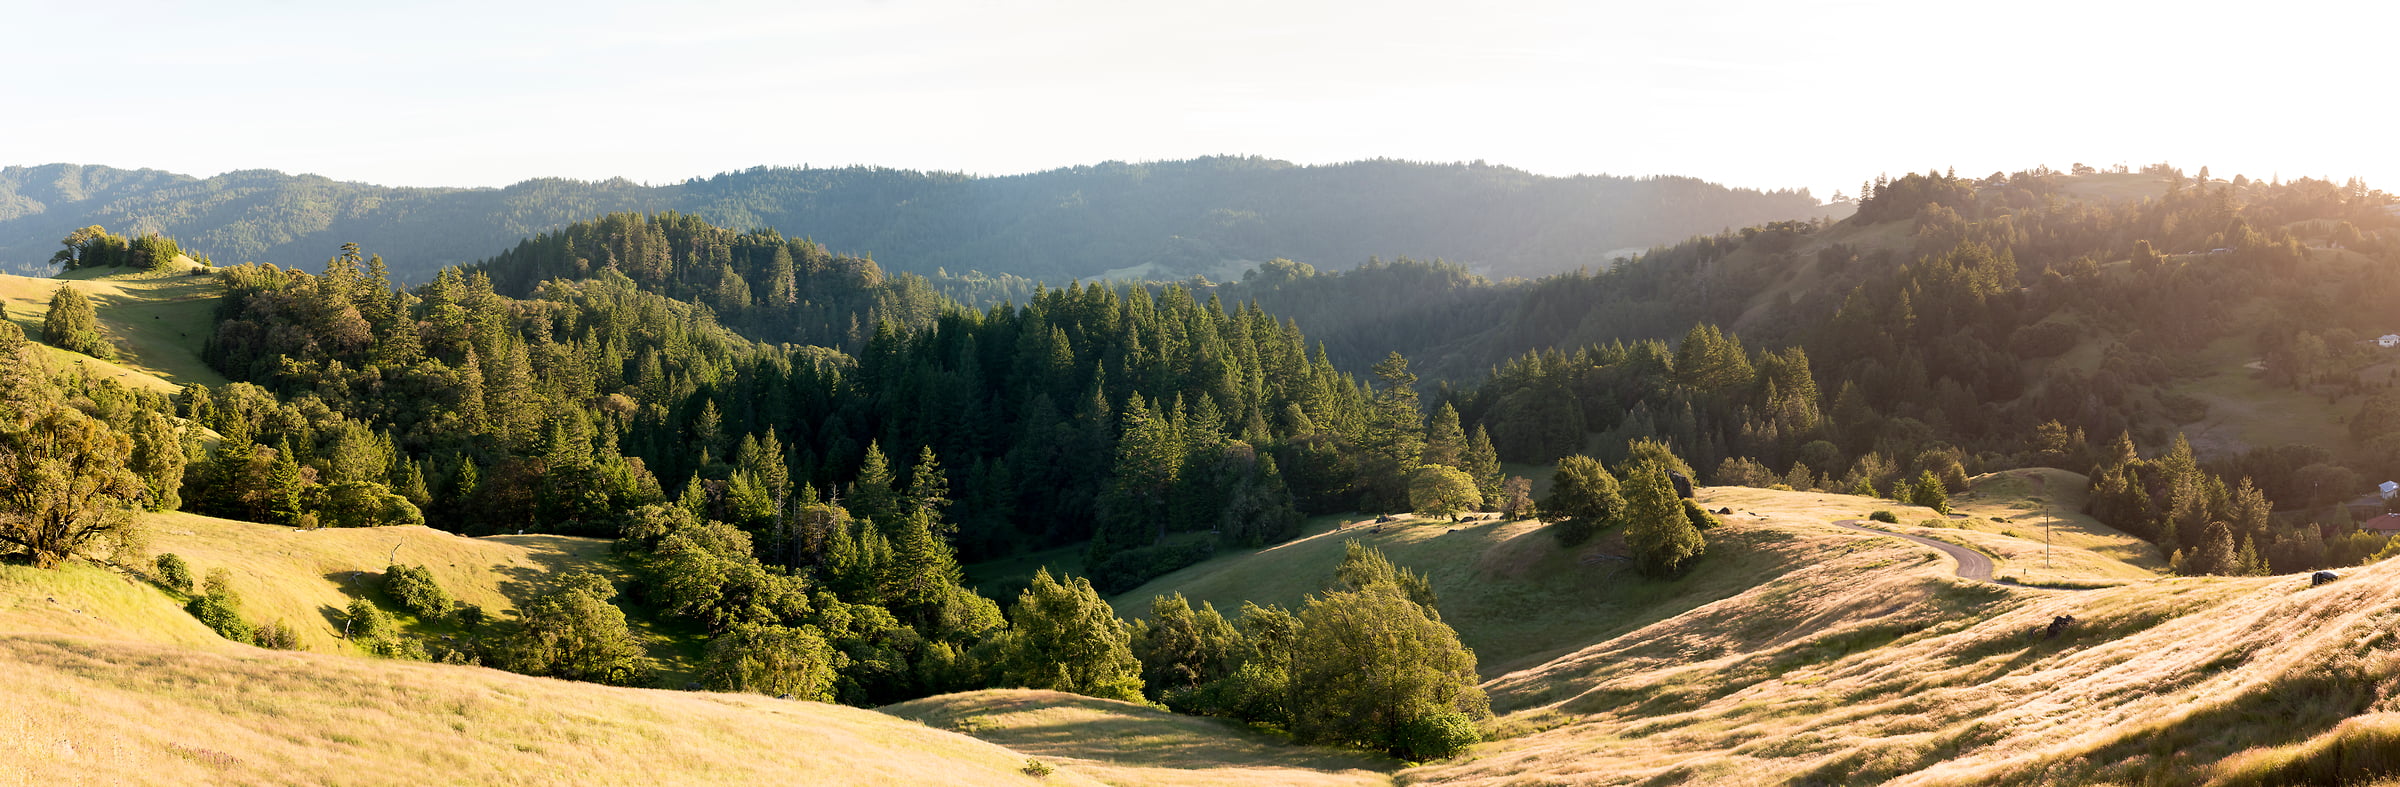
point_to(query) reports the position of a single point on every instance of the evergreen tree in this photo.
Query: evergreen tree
(871, 496)
(1928, 492)
(1445, 443)
(1482, 464)
(1661, 538)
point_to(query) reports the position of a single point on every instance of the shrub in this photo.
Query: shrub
(367, 621)
(174, 574)
(1037, 769)
(471, 616)
(1438, 735)
(1700, 518)
(220, 608)
(222, 617)
(1886, 517)
(413, 588)
(278, 635)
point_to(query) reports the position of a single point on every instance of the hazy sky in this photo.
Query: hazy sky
(1762, 94)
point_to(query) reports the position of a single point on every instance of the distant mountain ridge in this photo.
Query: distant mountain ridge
(1161, 220)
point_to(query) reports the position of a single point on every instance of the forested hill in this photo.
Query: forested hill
(1165, 220)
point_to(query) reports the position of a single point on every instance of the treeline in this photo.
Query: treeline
(1174, 219)
(95, 247)
(768, 287)
(1078, 414)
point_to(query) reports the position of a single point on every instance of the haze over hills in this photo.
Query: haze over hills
(1159, 220)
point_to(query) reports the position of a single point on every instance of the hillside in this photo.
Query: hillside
(1519, 600)
(81, 710)
(111, 680)
(158, 319)
(1163, 220)
(1916, 678)
(1858, 659)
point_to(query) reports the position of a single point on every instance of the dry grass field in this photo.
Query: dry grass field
(87, 711)
(1797, 653)
(158, 319)
(1123, 743)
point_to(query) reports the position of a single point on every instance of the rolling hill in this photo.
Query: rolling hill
(112, 681)
(158, 319)
(1798, 653)
(1162, 220)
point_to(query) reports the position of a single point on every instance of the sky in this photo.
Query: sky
(1792, 94)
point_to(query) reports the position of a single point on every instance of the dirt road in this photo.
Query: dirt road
(1971, 564)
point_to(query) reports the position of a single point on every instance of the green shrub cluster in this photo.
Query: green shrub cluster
(413, 588)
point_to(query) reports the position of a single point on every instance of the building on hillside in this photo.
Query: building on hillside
(2388, 340)
(2389, 489)
(2385, 525)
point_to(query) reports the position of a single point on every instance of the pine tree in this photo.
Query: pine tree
(1928, 492)
(1661, 538)
(1482, 463)
(929, 492)
(871, 496)
(283, 488)
(1445, 443)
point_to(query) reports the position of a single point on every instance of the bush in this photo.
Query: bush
(374, 631)
(174, 574)
(221, 616)
(1435, 736)
(1037, 769)
(368, 621)
(413, 588)
(278, 635)
(1885, 517)
(220, 608)
(471, 616)
(1700, 518)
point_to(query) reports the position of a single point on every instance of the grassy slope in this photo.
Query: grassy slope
(1869, 663)
(110, 680)
(78, 710)
(160, 320)
(2009, 514)
(1124, 743)
(308, 577)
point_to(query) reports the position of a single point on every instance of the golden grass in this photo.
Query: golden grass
(1128, 744)
(159, 320)
(307, 577)
(83, 711)
(1868, 664)
(2011, 514)
(1514, 595)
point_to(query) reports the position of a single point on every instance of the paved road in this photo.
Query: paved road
(1971, 564)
